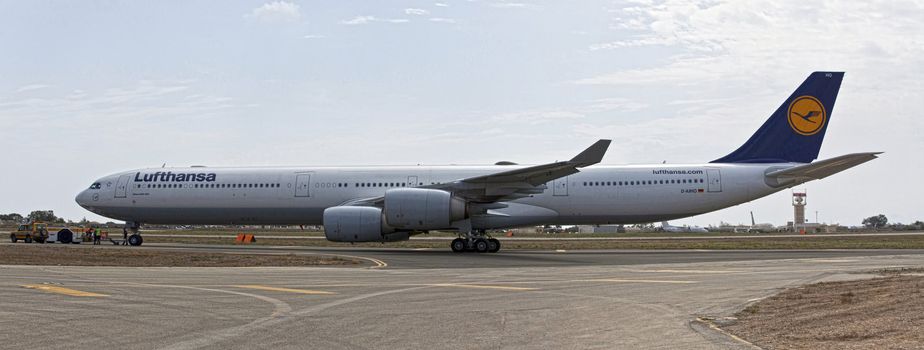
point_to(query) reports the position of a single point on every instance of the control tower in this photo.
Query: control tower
(798, 205)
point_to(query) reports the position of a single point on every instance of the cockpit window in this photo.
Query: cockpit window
(95, 186)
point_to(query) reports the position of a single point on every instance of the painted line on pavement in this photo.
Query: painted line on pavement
(685, 271)
(289, 290)
(62, 290)
(619, 280)
(519, 289)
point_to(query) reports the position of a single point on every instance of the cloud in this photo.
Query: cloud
(440, 4)
(32, 87)
(315, 36)
(416, 12)
(535, 117)
(276, 12)
(720, 40)
(154, 101)
(358, 20)
(508, 4)
(442, 20)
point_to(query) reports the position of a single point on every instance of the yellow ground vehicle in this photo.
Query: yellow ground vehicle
(36, 231)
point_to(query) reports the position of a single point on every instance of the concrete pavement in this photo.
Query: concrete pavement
(570, 303)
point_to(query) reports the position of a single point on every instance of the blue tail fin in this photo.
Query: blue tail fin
(795, 131)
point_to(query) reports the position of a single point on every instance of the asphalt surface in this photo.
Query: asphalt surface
(397, 258)
(683, 236)
(417, 299)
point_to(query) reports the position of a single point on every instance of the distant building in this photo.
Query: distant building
(799, 201)
(601, 229)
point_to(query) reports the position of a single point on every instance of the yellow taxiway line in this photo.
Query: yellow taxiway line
(289, 290)
(61, 290)
(519, 289)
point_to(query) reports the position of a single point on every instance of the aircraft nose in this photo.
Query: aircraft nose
(83, 198)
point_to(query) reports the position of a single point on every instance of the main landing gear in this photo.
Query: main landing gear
(134, 238)
(475, 241)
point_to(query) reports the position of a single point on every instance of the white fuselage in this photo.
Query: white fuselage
(598, 194)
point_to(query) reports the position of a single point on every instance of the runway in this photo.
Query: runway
(417, 300)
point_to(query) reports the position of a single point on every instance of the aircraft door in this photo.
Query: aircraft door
(714, 180)
(560, 186)
(122, 186)
(412, 181)
(302, 182)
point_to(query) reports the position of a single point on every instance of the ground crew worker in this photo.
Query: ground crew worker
(96, 236)
(88, 233)
(124, 236)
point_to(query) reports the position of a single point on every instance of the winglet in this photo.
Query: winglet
(591, 155)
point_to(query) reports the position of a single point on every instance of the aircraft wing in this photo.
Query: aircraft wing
(511, 184)
(820, 169)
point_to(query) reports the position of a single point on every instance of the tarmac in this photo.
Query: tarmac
(414, 299)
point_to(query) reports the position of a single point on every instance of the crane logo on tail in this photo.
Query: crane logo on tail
(806, 115)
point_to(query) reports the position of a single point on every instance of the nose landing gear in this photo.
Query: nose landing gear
(475, 241)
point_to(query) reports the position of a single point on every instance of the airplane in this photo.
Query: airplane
(669, 228)
(393, 203)
(760, 228)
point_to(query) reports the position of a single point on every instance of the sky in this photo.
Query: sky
(89, 88)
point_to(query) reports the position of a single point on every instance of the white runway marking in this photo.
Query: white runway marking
(288, 290)
(483, 286)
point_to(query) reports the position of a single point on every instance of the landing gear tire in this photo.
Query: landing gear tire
(458, 245)
(481, 245)
(135, 240)
(494, 245)
(13, 238)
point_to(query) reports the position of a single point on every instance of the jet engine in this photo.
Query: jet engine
(422, 209)
(359, 224)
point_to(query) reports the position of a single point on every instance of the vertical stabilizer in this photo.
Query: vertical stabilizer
(795, 131)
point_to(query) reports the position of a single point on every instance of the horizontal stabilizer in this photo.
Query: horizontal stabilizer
(818, 170)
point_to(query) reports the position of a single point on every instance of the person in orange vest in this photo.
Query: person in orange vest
(88, 233)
